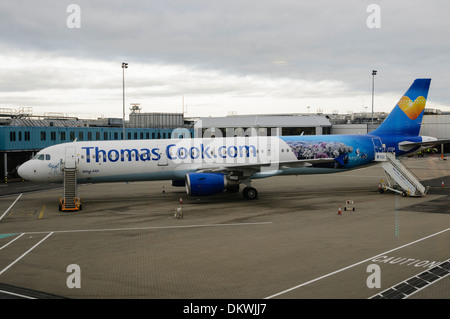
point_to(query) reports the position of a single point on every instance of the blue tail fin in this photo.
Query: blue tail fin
(406, 117)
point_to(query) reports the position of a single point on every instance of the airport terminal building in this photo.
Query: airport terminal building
(435, 123)
(22, 135)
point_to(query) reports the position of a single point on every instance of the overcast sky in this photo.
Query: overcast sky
(246, 56)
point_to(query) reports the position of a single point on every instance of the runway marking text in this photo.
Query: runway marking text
(406, 261)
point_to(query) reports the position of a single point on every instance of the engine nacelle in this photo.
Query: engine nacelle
(203, 184)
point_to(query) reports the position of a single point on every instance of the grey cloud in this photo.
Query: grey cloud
(319, 40)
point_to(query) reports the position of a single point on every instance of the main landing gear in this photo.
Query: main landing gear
(249, 193)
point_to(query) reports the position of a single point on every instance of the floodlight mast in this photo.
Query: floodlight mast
(124, 66)
(374, 72)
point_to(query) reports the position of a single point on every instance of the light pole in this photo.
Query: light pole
(124, 66)
(374, 72)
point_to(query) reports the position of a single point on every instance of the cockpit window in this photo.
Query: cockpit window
(42, 157)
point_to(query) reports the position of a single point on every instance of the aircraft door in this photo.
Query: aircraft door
(163, 159)
(70, 157)
(377, 145)
(269, 148)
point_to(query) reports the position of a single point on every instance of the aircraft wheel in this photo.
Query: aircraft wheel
(250, 193)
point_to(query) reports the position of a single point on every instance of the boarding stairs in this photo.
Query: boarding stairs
(399, 176)
(70, 200)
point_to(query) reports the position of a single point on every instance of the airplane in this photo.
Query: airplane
(211, 165)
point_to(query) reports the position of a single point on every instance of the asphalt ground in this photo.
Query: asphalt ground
(290, 243)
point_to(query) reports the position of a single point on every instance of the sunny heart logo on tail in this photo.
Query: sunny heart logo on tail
(406, 116)
(410, 108)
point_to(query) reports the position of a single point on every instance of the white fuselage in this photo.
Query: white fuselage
(133, 160)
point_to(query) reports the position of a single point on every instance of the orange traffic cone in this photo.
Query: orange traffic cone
(340, 211)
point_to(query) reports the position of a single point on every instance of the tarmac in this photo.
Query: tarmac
(290, 243)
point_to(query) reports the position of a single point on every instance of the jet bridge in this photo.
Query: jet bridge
(70, 200)
(400, 179)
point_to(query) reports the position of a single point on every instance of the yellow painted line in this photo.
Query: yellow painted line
(41, 214)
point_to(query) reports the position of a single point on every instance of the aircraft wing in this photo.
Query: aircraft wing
(250, 168)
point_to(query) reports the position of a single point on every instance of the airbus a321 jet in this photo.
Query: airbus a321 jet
(207, 166)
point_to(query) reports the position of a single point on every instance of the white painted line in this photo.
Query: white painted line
(12, 241)
(17, 295)
(148, 228)
(24, 254)
(6, 212)
(351, 266)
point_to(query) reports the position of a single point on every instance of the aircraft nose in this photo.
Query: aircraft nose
(23, 170)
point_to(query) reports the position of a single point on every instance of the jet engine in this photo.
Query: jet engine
(203, 184)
